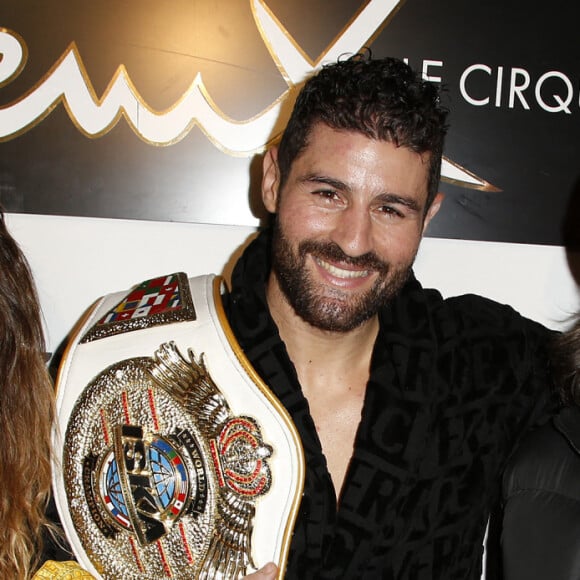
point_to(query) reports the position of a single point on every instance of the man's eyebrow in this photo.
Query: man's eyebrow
(394, 198)
(323, 179)
(409, 202)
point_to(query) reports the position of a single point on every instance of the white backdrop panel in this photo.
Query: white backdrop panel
(76, 260)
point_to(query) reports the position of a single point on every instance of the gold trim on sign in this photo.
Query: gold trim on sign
(483, 185)
(23, 60)
(373, 35)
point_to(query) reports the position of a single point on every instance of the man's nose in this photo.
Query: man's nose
(353, 232)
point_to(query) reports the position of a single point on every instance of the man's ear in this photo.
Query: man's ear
(433, 209)
(270, 179)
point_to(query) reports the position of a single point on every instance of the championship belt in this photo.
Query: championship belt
(173, 458)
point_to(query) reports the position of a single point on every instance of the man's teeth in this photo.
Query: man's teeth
(340, 273)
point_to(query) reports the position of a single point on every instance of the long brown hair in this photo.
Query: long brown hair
(26, 414)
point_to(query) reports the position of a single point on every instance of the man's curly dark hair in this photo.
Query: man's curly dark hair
(381, 98)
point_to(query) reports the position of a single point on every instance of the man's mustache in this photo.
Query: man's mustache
(332, 252)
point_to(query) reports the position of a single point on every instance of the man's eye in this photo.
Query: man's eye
(390, 211)
(325, 193)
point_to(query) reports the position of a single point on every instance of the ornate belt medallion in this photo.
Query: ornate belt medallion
(162, 479)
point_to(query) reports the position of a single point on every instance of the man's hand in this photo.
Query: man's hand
(267, 572)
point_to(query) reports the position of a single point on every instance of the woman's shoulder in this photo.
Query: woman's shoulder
(548, 458)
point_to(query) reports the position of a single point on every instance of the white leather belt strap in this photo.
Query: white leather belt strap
(173, 458)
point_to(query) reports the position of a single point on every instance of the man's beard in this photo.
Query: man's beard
(327, 308)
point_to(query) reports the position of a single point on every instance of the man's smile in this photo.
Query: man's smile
(341, 272)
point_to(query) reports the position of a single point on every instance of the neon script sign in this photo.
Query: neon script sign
(68, 83)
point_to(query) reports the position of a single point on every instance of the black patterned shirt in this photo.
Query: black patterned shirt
(453, 386)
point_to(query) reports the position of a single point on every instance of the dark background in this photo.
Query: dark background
(532, 156)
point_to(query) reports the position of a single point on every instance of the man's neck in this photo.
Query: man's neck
(333, 369)
(320, 356)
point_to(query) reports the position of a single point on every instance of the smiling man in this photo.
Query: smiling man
(408, 405)
(349, 222)
(356, 208)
